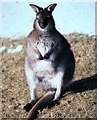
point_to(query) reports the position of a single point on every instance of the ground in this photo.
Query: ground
(78, 102)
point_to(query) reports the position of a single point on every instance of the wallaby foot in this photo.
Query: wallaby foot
(29, 105)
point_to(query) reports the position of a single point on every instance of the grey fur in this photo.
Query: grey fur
(56, 67)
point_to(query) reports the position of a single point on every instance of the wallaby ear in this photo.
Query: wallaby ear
(51, 7)
(36, 8)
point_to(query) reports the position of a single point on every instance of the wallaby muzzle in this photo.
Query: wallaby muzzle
(43, 23)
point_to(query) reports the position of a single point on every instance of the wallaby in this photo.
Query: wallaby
(49, 63)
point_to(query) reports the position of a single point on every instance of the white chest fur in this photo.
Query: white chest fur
(44, 46)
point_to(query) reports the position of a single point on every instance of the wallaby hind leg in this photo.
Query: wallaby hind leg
(32, 86)
(33, 100)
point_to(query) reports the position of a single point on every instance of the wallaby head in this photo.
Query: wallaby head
(44, 20)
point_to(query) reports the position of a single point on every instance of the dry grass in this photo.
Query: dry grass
(80, 103)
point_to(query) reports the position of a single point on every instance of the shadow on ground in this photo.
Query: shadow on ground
(89, 83)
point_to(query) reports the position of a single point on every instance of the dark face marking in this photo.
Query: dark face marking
(43, 18)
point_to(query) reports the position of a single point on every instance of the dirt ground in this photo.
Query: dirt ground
(79, 101)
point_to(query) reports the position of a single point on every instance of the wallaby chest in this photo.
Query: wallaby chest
(44, 44)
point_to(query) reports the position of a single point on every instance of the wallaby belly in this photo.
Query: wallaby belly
(43, 74)
(43, 68)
